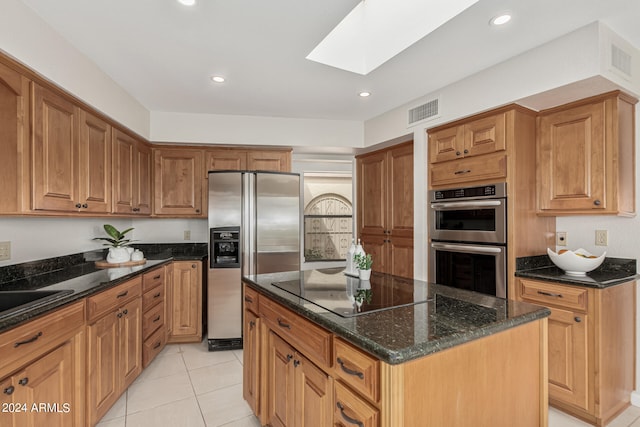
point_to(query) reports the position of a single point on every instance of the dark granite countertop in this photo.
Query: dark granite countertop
(613, 271)
(79, 274)
(448, 318)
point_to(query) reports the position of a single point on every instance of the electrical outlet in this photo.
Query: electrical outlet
(602, 238)
(5, 251)
(187, 234)
(561, 238)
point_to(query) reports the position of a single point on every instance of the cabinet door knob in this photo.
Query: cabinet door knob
(289, 357)
(597, 202)
(193, 266)
(296, 363)
(24, 381)
(578, 319)
(197, 210)
(119, 315)
(252, 324)
(84, 205)
(9, 390)
(78, 205)
(458, 153)
(348, 418)
(466, 151)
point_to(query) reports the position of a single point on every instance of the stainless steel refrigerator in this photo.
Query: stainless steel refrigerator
(254, 228)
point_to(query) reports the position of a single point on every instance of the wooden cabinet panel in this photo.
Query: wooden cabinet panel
(178, 181)
(277, 161)
(357, 369)
(445, 144)
(586, 157)
(568, 353)
(492, 167)
(486, 135)
(14, 134)
(55, 151)
(153, 346)
(185, 304)
(94, 148)
(280, 382)
(225, 159)
(313, 394)
(349, 409)
(114, 348)
(385, 207)
(131, 175)
(251, 360)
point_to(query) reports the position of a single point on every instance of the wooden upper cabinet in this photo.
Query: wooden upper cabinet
(55, 152)
(400, 191)
(94, 163)
(14, 141)
(178, 181)
(225, 159)
(278, 161)
(131, 175)
(481, 136)
(586, 157)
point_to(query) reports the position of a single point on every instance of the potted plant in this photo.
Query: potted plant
(363, 263)
(118, 251)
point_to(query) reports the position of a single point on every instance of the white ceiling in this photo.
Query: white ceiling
(163, 53)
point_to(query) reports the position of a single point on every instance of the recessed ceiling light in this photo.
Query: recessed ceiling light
(217, 79)
(501, 19)
(364, 94)
(187, 2)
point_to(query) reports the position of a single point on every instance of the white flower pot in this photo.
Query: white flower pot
(364, 274)
(118, 255)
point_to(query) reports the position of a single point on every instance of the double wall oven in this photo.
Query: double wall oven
(468, 238)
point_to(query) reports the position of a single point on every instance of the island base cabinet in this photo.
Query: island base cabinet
(251, 361)
(350, 410)
(497, 381)
(299, 393)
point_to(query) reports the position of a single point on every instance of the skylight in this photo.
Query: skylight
(377, 30)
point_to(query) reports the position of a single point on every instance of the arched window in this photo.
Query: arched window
(328, 227)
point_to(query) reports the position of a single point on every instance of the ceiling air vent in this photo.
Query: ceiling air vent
(428, 110)
(620, 60)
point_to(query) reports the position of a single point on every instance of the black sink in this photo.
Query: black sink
(15, 301)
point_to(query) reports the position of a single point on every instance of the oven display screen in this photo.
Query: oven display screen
(469, 220)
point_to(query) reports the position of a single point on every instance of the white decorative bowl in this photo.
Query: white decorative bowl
(576, 263)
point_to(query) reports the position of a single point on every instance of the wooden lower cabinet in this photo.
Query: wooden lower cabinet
(47, 370)
(591, 346)
(391, 255)
(114, 348)
(299, 393)
(354, 388)
(185, 302)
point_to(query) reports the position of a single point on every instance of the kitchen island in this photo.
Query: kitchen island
(324, 349)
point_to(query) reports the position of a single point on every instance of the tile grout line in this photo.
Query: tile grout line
(204, 421)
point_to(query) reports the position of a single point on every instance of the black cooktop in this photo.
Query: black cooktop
(348, 296)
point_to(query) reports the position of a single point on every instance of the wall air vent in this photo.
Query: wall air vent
(428, 110)
(620, 60)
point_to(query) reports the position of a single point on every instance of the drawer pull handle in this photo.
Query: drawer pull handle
(350, 371)
(158, 344)
(30, 340)
(24, 381)
(550, 294)
(283, 324)
(462, 172)
(156, 319)
(9, 390)
(156, 277)
(157, 295)
(347, 418)
(123, 294)
(248, 299)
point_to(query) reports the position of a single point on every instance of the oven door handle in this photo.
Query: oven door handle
(467, 248)
(471, 204)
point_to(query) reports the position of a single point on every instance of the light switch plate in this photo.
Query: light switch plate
(187, 234)
(5, 251)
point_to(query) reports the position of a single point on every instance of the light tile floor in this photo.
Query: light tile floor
(188, 386)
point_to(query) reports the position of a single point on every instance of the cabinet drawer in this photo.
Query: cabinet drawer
(313, 341)
(477, 168)
(356, 368)
(349, 409)
(153, 345)
(152, 320)
(251, 298)
(112, 298)
(569, 297)
(152, 279)
(24, 342)
(152, 297)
